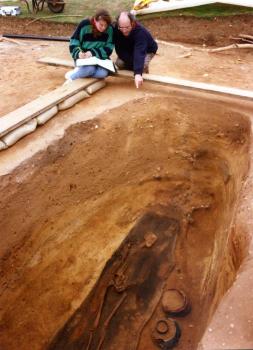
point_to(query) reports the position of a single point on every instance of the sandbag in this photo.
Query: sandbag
(96, 86)
(2, 145)
(44, 117)
(71, 101)
(19, 132)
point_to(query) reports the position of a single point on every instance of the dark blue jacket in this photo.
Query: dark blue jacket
(133, 48)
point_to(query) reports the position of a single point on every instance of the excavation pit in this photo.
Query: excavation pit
(158, 178)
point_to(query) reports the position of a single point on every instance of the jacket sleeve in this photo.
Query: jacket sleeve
(105, 51)
(75, 44)
(140, 50)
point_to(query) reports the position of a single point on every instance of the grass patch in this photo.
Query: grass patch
(75, 10)
(204, 11)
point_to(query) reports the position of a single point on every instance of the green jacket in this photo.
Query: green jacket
(84, 40)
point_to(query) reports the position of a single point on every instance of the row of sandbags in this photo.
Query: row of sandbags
(12, 137)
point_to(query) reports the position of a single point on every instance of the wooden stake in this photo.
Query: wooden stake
(11, 41)
(246, 36)
(166, 43)
(231, 47)
(46, 17)
(242, 40)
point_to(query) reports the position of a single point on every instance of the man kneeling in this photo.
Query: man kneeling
(134, 46)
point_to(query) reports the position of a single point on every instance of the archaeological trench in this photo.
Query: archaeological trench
(124, 234)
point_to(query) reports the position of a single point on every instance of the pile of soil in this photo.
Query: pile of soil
(213, 32)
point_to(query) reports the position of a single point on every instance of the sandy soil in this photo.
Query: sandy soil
(230, 68)
(164, 152)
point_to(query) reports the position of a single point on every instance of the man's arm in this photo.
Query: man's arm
(140, 51)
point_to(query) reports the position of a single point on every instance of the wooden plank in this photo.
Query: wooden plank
(188, 84)
(25, 113)
(166, 80)
(56, 61)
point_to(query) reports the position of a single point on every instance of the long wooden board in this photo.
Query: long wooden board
(166, 80)
(56, 61)
(193, 85)
(25, 113)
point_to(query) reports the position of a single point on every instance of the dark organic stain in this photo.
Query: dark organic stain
(127, 292)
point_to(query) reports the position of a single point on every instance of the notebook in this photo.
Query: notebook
(93, 61)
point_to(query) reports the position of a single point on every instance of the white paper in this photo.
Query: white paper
(93, 61)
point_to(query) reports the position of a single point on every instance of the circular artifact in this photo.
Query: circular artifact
(174, 302)
(162, 327)
(166, 334)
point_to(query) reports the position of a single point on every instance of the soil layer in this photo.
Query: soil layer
(215, 31)
(65, 211)
(72, 205)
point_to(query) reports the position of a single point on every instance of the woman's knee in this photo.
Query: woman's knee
(100, 73)
(86, 71)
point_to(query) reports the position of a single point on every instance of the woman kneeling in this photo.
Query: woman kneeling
(92, 37)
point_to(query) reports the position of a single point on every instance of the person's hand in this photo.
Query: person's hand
(138, 80)
(85, 54)
(81, 54)
(88, 54)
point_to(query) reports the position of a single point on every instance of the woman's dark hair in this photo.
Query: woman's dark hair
(104, 15)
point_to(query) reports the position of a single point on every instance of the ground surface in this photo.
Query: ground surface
(188, 151)
(233, 68)
(212, 31)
